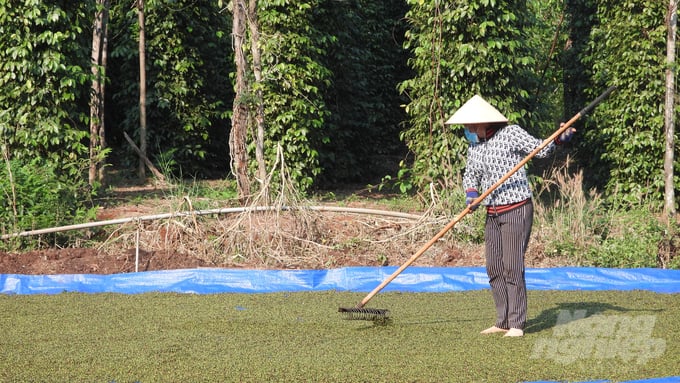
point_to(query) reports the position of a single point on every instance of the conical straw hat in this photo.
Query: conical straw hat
(476, 111)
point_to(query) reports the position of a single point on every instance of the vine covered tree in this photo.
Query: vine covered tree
(97, 105)
(458, 51)
(627, 48)
(44, 95)
(669, 109)
(238, 137)
(188, 61)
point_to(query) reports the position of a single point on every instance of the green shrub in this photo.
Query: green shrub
(668, 248)
(590, 232)
(36, 197)
(633, 241)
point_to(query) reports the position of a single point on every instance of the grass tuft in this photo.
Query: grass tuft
(584, 229)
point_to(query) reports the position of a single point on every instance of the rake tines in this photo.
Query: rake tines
(360, 313)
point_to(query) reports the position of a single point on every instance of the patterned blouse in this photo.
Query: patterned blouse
(490, 159)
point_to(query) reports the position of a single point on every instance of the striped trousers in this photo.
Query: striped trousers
(506, 236)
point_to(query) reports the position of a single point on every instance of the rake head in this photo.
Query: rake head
(368, 314)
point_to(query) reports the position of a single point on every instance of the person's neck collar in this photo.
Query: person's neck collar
(490, 132)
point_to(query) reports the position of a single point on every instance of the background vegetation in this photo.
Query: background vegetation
(356, 92)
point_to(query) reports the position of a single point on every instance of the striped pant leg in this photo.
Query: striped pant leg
(507, 236)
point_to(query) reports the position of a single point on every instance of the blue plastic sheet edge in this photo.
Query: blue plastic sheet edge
(356, 279)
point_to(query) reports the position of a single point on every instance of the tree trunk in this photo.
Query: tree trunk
(102, 131)
(259, 114)
(98, 56)
(141, 173)
(239, 123)
(669, 113)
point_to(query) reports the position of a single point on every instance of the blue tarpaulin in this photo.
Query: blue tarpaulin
(357, 279)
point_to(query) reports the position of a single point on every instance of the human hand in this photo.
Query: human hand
(470, 196)
(566, 135)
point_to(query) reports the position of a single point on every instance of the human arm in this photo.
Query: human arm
(525, 143)
(471, 178)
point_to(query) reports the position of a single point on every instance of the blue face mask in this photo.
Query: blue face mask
(472, 137)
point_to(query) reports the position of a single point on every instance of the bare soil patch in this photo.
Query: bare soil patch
(257, 241)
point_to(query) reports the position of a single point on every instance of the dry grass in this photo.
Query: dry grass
(567, 218)
(285, 231)
(295, 238)
(289, 234)
(570, 224)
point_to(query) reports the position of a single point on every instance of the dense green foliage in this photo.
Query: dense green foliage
(300, 337)
(367, 61)
(295, 81)
(44, 72)
(635, 245)
(482, 47)
(330, 75)
(580, 18)
(45, 66)
(38, 195)
(350, 88)
(627, 48)
(188, 51)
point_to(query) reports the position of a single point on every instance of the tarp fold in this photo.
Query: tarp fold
(357, 279)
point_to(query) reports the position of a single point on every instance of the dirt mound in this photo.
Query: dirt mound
(271, 240)
(90, 261)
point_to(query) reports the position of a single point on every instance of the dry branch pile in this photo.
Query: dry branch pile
(289, 233)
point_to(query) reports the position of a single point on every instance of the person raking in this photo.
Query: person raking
(495, 148)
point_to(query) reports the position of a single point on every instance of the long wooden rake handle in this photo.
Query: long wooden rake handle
(479, 199)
